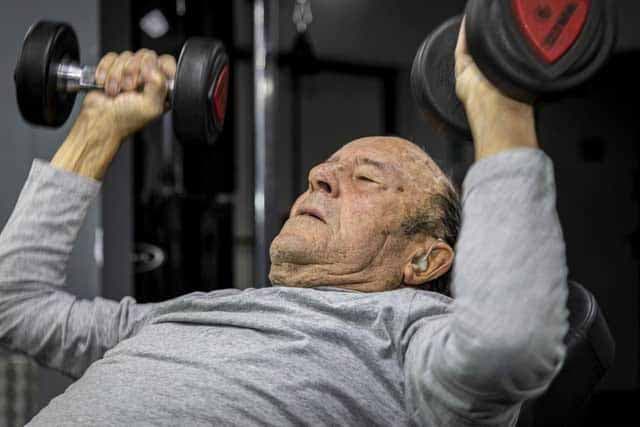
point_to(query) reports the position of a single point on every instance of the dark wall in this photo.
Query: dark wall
(592, 138)
(628, 34)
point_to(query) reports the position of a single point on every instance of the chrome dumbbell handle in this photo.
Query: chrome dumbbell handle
(72, 77)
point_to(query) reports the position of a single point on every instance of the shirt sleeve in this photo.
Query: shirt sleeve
(502, 342)
(37, 316)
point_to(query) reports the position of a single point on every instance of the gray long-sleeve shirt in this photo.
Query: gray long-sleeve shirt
(292, 356)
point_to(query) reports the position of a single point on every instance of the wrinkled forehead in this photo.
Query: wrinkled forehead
(415, 164)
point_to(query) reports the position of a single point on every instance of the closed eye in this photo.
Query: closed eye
(366, 179)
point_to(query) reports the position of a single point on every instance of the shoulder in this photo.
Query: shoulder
(428, 304)
(428, 313)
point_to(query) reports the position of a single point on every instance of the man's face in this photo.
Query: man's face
(347, 228)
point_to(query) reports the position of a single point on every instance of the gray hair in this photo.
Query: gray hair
(440, 218)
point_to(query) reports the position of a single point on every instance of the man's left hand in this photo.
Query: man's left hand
(498, 123)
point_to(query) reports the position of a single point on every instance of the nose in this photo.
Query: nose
(323, 178)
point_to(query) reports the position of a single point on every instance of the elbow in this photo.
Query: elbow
(540, 350)
(528, 347)
(518, 359)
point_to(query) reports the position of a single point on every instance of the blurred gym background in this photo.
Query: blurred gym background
(174, 219)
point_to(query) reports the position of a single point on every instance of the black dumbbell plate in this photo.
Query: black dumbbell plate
(46, 45)
(200, 91)
(433, 81)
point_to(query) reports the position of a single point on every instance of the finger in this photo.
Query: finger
(132, 69)
(155, 83)
(168, 66)
(114, 74)
(103, 66)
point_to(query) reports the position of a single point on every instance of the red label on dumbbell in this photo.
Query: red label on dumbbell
(551, 26)
(220, 95)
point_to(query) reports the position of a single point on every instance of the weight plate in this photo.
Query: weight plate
(46, 45)
(533, 49)
(200, 91)
(433, 81)
(551, 27)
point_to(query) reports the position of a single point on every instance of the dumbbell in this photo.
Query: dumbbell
(531, 50)
(48, 76)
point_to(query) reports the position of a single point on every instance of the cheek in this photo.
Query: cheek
(366, 219)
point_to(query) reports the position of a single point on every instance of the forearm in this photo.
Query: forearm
(89, 148)
(499, 124)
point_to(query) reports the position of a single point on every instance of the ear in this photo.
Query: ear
(439, 258)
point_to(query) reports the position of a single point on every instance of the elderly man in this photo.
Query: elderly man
(359, 328)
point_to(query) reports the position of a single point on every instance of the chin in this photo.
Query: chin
(289, 248)
(297, 244)
(296, 257)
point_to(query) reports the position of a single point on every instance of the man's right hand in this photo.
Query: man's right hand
(135, 90)
(122, 103)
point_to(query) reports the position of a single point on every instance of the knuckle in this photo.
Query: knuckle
(143, 51)
(157, 78)
(106, 61)
(119, 66)
(108, 57)
(147, 61)
(148, 55)
(168, 63)
(167, 59)
(153, 60)
(111, 82)
(131, 67)
(110, 76)
(122, 59)
(115, 73)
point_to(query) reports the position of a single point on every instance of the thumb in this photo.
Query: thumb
(462, 57)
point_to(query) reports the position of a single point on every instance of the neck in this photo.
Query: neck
(371, 279)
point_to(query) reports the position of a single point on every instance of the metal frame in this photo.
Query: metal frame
(265, 19)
